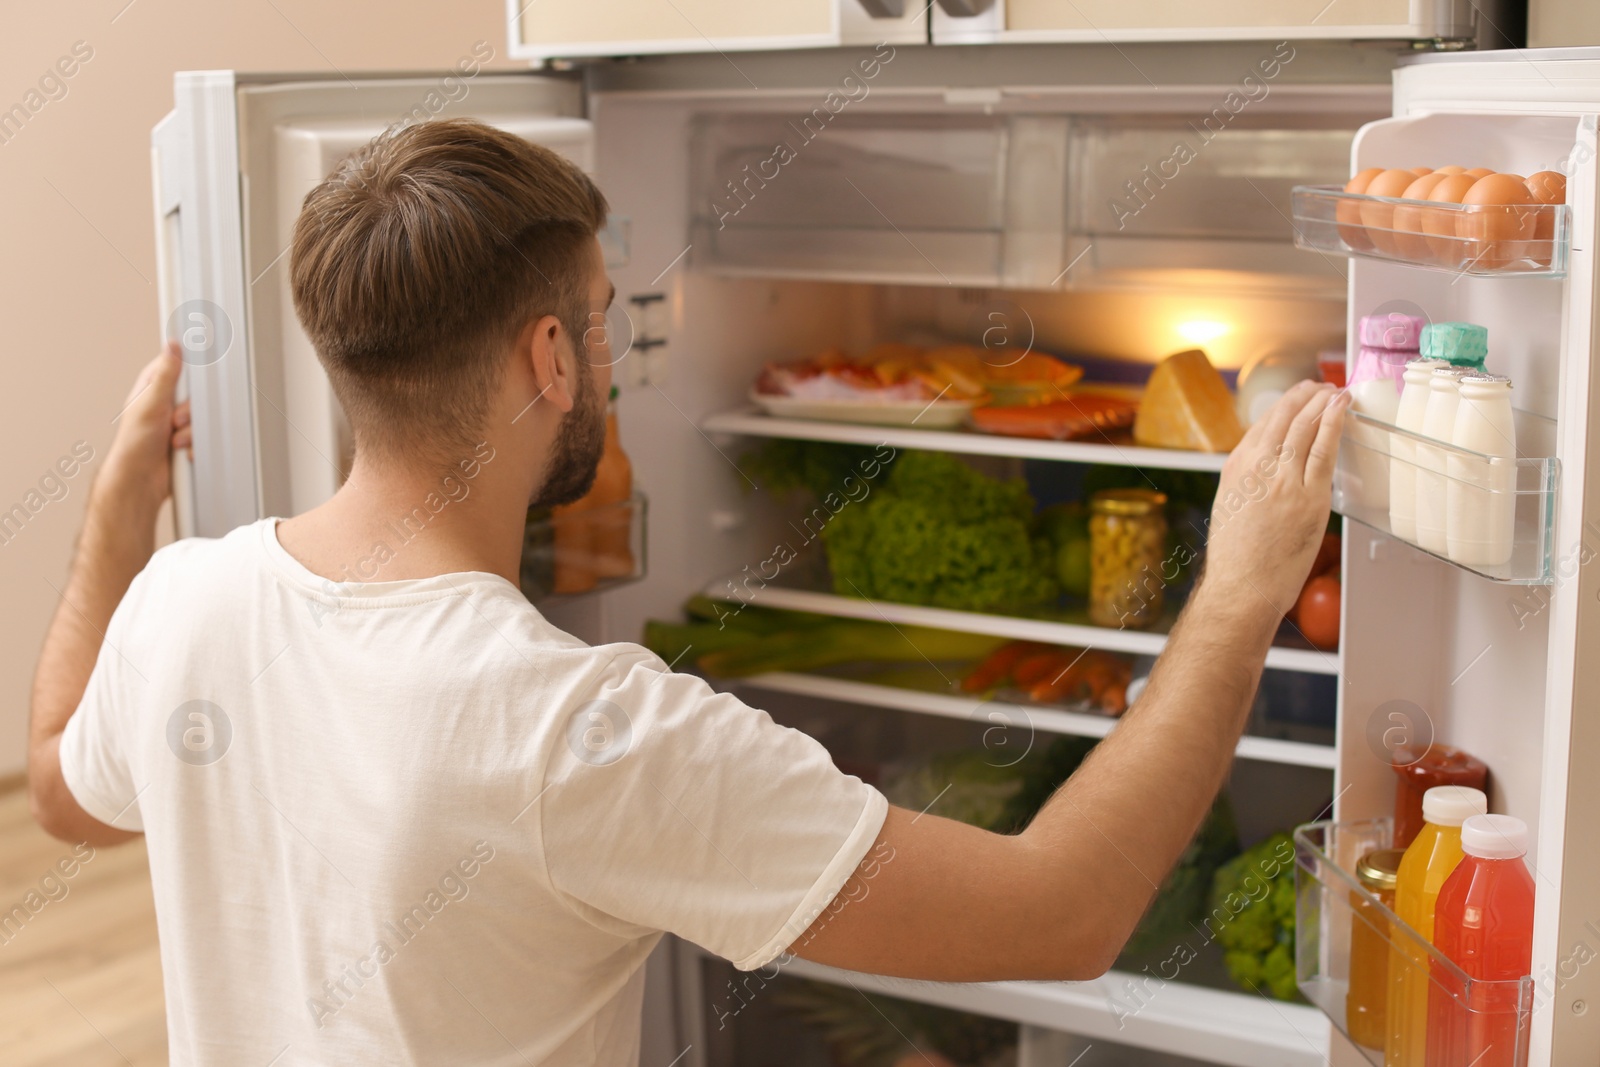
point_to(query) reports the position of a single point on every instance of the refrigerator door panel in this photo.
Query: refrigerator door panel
(233, 161)
(1507, 673)
(203, 296)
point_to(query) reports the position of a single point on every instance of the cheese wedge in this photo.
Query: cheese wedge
(1187, 405)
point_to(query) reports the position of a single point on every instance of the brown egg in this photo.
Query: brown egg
(1378, 217)
(1440, 223)
(1449, 169)
(1348, 213)
(1409, 237)
(1479, 172)
(1422, 172)
(1547, 187)
(1498, 223)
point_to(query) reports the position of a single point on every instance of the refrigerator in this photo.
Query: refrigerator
(948, 192)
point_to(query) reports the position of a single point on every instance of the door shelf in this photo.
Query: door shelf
(1332, 908)
(1048, 630)
(1486, 240)
(1130, 1009)
(1043, 719)
(577, 553)
(749, 422)
(1374, 457)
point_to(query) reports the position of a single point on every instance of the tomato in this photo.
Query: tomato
(1316, 613)
(1327, 556)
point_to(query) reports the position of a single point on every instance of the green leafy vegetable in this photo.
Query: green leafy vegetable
(937, 532)
(780, 465)
(730, 640)
(1252, 917)
(969, 785)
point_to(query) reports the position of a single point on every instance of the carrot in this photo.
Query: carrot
(996, 667)
(1043, 666)
(1064, 683)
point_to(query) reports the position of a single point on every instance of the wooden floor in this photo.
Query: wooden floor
(80, 979)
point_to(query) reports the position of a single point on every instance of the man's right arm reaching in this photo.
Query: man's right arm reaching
(945, 901)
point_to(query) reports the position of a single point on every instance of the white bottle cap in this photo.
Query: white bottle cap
(1452, 805)
(1419, 369)
(1495, 837)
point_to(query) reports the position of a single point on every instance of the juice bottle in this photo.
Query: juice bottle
(1483, 923)
(592, 534)
(1417, 773)
(1365, 1003)
(613, 519)
(1428, 862)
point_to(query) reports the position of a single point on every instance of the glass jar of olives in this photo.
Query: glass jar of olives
(1127, 540)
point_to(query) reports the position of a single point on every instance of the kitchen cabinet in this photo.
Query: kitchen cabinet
(571, 29)
(1059, 21)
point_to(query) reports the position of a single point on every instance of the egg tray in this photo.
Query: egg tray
(1330, 901)
(1486, 240)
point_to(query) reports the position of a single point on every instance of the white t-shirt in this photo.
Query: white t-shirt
(413, 823)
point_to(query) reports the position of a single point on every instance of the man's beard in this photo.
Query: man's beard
(580, 440)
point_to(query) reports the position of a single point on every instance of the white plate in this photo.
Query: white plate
(923, 414)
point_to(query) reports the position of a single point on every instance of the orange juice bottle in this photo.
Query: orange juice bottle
(1428, 862)
(1483, 924)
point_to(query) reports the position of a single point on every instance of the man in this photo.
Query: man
(406, 820)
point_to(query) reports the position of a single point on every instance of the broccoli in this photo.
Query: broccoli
(938, 533)
(1252, 917)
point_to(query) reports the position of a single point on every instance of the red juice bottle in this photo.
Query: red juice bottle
(1483, 923)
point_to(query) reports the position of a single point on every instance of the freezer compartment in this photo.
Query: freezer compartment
(574, 553)
(1020, 201)
(1152, 196)
(964, 198)
(1344, 933)
(1491, 515)
(1529, 240)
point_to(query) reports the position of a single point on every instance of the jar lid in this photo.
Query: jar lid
(1451, 374)
(1476, 378)
(1462, 343)
(1393, 330)
(1379, 868)
(1495, 837)
(1452, 805)
(1127, 501)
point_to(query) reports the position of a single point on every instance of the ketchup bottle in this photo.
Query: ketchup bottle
(1483, 923)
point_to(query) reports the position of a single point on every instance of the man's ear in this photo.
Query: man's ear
(549, 352)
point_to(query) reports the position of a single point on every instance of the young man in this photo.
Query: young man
(405, 820)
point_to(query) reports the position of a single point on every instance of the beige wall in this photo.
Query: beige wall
(1563, 23)
(77, 258)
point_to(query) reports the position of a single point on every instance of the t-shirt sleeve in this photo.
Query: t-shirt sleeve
(94, 755)
(670, 806)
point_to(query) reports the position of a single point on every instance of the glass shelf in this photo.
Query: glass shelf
(576, 553)
(1518, 495)
(1333, 910)
(1524, 240)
